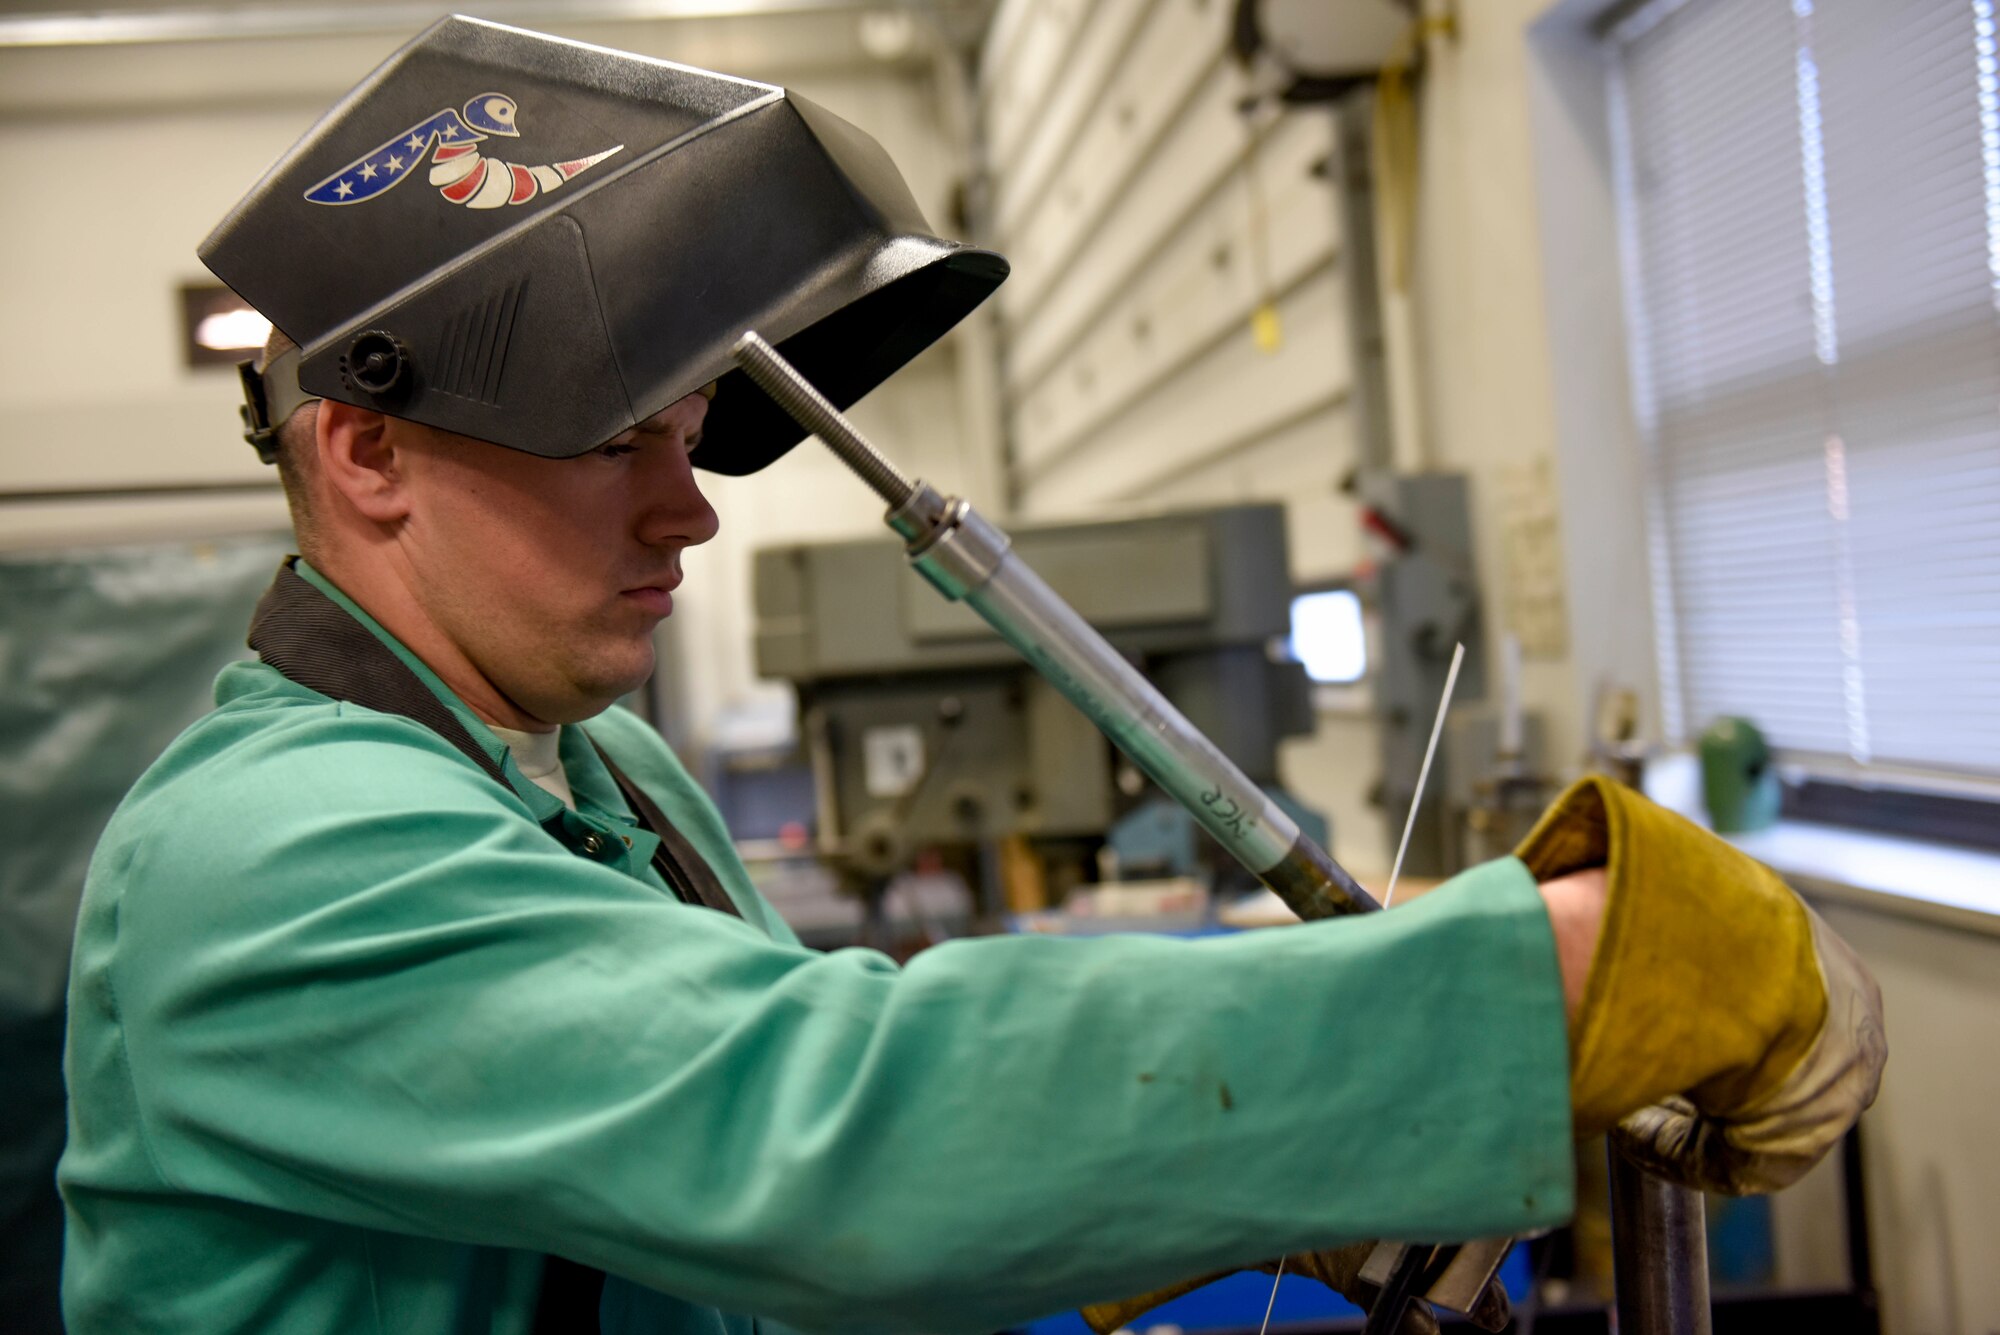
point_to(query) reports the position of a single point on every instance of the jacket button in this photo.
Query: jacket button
(593, 845)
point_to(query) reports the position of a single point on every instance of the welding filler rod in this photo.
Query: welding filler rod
(970, 560)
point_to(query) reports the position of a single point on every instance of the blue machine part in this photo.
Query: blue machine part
(1156, 839)
(1238, 1301)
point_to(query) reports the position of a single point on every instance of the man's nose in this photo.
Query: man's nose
(674, 510)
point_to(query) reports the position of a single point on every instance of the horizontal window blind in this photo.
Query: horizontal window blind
(1810, 202)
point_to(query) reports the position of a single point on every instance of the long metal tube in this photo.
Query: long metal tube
(970, 560)
(1659, 1246)
(136, 26)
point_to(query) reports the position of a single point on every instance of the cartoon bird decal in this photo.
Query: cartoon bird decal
(450, 139)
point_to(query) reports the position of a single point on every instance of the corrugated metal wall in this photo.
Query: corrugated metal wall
(1148, 218)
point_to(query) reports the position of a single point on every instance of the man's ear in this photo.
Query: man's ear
(359, 458)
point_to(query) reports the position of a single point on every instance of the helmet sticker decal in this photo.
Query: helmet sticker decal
(460, 172)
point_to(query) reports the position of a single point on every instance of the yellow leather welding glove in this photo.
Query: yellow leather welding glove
(1338, 1268)
(1725, 1031)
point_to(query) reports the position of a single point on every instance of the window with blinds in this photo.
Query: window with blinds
(1810, 201)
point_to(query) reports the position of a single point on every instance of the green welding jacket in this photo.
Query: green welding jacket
(358, 1039)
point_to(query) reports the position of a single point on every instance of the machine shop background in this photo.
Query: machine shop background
(1413, 342)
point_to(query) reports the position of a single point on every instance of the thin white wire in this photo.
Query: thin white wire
(1276, 1276)
(1424, 774)
(1409, 822)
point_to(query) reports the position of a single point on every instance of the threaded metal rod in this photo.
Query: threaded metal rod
(796, 395)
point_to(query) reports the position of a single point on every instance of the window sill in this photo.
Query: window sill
(1959, 887)
(1956, 887)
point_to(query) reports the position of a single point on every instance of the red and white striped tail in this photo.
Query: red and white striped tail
(464, 177)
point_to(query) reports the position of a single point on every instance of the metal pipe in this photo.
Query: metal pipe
(1659, 1246)
(970, 560)
(208, 23)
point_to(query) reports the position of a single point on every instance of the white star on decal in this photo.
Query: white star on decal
(395, 163)
(414, 143)
(367, 171)
(451, 132)
(343, 190)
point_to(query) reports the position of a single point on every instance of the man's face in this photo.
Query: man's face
(550, 575)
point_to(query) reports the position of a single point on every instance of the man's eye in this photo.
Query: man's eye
(616, 450)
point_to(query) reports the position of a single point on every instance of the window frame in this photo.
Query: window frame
(1603, 465)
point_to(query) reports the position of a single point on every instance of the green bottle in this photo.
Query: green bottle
(1739, 782)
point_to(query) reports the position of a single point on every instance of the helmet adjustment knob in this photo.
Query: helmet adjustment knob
(376, 363)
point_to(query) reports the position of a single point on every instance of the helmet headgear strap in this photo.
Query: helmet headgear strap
(270, 397)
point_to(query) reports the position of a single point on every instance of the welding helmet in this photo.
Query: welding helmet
(586, 235)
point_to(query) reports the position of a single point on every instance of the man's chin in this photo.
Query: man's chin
(587, 694)
(608, 695)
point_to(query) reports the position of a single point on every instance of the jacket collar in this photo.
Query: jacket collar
(310, 632)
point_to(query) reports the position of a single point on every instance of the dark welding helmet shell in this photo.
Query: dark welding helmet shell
(631, 219)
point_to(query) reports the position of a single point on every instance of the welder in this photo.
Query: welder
(418, 987)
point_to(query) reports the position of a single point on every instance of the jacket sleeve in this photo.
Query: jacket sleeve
(352, 983)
